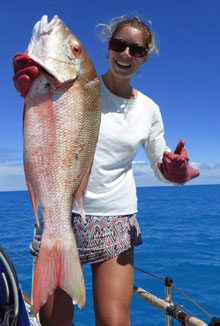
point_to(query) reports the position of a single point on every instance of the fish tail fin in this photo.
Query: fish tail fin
(58, 264)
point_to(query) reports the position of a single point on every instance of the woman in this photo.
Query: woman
(129, 119)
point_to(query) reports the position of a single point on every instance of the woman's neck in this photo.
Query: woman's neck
(119, 87)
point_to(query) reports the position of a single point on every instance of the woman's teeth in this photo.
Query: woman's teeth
(123, 64)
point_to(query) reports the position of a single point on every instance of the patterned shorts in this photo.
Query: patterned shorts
(104, 237)
(99, 237)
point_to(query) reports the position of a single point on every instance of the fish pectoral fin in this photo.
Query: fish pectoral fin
(23, 115)
(80, 195)
(34, 200)
(58, 264)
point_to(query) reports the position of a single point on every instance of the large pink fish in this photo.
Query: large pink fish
(61, 124)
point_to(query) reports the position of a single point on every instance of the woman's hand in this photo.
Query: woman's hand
(25, 72)
(175, 167)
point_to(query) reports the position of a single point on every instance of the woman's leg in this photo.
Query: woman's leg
(58, 310)
(112, 290)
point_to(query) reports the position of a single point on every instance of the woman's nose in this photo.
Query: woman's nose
(127, 51)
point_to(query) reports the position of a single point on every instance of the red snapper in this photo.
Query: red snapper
(60, 129)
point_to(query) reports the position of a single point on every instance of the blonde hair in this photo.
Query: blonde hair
(116, 24)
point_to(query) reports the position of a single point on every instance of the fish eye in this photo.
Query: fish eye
(76, 50)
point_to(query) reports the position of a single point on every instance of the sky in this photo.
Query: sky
(183, 78)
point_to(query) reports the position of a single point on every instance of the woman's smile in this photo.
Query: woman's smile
(122, 64)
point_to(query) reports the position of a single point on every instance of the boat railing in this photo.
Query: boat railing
(172, 310)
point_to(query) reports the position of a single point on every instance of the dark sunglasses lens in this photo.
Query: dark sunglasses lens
(137, 51)
(117, 45)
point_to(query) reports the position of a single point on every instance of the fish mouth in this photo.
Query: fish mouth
(50, 69)
(58, 83)
(45, 27)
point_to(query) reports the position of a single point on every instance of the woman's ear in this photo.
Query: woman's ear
(144, 59)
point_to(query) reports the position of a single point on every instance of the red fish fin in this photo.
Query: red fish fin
(58, 264)
(81, 192)
(23, 116)
(34, 200)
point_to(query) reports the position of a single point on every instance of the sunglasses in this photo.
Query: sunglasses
(135, 50)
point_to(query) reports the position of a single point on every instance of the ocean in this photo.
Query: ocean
(181, 239)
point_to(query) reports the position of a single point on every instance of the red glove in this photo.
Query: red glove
(175, 167)
(25, 72)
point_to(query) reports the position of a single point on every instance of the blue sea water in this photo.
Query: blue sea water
(181, 239)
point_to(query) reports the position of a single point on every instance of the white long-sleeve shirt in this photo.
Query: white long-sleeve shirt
(125, 124)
